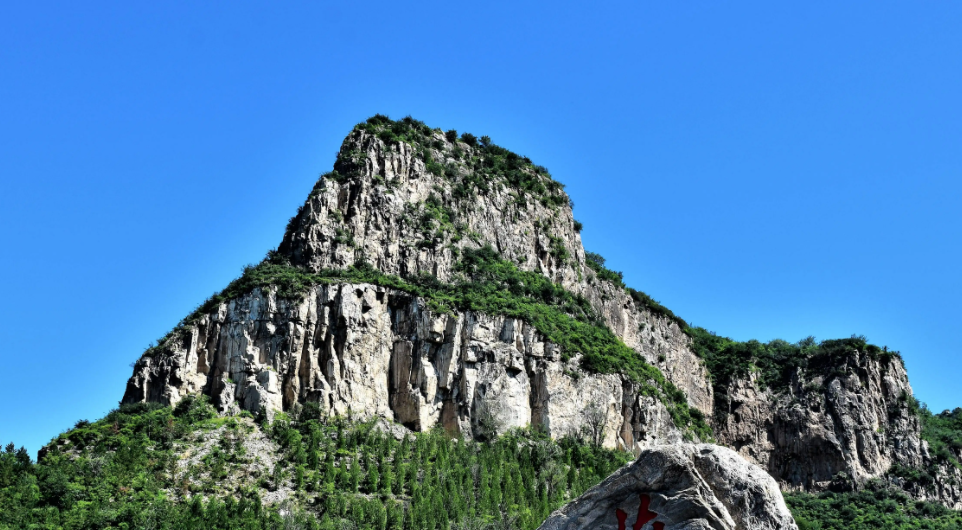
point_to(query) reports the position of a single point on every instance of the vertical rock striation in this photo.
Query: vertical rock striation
(366, 351)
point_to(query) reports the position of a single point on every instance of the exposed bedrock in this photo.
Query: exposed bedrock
(366, 351)
(854, 420)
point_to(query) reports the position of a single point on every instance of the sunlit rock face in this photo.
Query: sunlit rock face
(365, 351)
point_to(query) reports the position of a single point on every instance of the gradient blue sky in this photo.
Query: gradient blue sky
(764, 170)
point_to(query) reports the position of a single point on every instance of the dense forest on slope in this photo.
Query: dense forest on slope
(127, 471)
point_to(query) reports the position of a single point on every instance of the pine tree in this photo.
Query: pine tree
(373, 477)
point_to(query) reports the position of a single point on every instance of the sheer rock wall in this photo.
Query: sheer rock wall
(854, 420)
(366, 351)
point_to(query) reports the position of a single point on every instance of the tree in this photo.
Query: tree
(595, 417)
(489, 417)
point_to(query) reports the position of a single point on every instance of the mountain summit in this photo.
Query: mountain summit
(431, 279)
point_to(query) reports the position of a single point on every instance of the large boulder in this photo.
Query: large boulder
(680, 487)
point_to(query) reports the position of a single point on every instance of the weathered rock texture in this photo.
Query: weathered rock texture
(941, 481)
(835, 427)
(853, 419)
(690, 487)
(366, 351)
(373, 213)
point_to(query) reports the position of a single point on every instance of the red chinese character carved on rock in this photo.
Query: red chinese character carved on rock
(644, 515)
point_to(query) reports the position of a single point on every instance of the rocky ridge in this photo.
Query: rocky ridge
(854, 421)
(409, 200)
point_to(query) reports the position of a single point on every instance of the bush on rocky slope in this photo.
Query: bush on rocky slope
(118, 472)
(874, 508)
(943, 431)
(777, 361)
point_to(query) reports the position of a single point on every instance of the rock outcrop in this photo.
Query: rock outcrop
(366, 351)
(680, 487)
(851, 422)
(938, 480)
(399, 361)
(376, 210)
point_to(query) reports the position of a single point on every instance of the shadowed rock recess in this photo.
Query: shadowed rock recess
(433, 280)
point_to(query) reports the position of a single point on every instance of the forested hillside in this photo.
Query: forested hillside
(150, 466)
(128, 470)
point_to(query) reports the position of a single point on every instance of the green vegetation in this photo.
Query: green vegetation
(943, 431)
(122, 473)
(777, 361)
(113, 474)
(597, 263)
(487, 284)
(358, 474)
(433, 219)
(656, 308)
(874, 508)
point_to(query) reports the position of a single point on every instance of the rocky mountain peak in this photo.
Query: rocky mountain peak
(433, 279)
(407, 199)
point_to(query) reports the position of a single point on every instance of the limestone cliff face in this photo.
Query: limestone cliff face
(373, 352)
(853, 420)
(366, 351)
(946, 487)
(375, 212)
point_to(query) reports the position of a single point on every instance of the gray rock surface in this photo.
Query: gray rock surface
(365, 351)
(373, 214)
(680, 487)
(852, 419)
(945, 486)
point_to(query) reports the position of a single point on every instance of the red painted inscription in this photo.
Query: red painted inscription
(644, 515)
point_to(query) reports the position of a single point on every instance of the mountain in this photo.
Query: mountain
(436, 284)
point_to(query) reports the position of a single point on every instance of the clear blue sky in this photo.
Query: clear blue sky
(764, 170)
